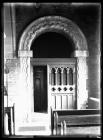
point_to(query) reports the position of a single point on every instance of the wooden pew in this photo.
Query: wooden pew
(73, 118)
(9, 123)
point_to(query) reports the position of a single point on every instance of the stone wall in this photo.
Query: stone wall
(86, 17)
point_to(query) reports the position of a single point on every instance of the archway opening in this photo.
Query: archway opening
(53, 37)
(52, 45)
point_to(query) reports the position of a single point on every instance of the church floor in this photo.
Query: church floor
(87, 131)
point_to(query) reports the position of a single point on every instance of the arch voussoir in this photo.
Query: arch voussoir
(56, 24)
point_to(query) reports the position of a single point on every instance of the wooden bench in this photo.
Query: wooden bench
(62, 119)
(9, 123)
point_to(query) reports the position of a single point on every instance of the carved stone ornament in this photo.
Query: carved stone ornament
(53, 23)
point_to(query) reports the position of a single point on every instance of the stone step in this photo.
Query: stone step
(39, 120)
(38, 117)
(39, 124)
(34, 133)
(37, 128)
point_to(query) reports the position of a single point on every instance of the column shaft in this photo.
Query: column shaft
(82, 94)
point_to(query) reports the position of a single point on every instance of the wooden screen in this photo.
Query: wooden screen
(62, 86)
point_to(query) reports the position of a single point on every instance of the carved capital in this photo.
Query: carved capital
(25, 53)
(78, 53)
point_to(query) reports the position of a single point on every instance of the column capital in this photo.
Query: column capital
(56, 69)
(25, 53)
(67, 69)
(79, 53)
(62, 69)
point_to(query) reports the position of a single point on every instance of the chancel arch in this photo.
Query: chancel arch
(60, 75)
(53, 23)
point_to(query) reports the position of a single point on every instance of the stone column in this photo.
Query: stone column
(82, 76)
(24, 99)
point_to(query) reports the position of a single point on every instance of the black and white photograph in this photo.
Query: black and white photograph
(52, 70)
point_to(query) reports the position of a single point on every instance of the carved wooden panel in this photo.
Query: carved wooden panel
(63, 89)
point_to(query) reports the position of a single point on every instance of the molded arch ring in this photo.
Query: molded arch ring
(55, 24)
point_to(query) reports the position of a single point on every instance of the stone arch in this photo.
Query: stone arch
(56, 24)
(71, 30)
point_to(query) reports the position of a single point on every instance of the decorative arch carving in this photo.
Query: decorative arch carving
(56, 24)
(71, 30)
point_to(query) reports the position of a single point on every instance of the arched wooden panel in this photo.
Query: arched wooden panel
(53, 77)
(70, 76)
(59, 80)
(65, 76)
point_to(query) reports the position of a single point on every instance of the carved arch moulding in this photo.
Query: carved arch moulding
(71, 30)
(56, 24)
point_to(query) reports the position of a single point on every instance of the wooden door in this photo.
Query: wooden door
(40, 88)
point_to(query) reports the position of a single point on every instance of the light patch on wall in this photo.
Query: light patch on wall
(4, 35)
(25, 4)
(82, 4)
